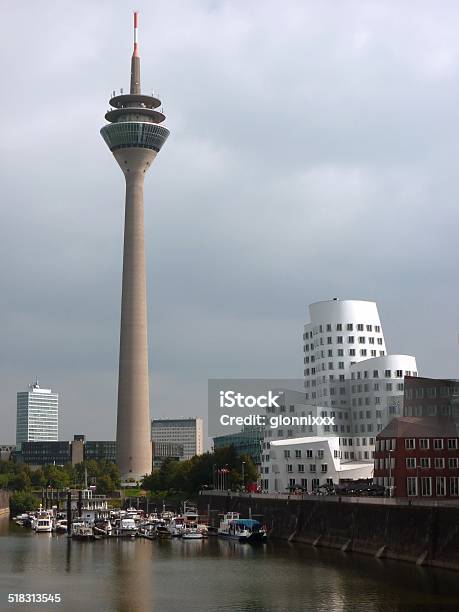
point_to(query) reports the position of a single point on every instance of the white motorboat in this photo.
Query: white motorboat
(44, 523)
(126, 528)
(224, 527)
(176, 526)
(61, 525)
(243, 530)
(191, 532)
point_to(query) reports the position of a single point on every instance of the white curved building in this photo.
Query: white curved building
(347, 372)
(376, 392)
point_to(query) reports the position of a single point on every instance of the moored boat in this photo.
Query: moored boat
(243, 530)
(44, 523)
(191, 532)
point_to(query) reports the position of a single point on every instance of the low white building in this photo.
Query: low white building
(309, 463)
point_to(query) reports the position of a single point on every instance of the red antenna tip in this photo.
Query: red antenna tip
(136, 40)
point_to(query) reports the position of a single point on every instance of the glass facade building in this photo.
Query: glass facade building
(248, 441)
(100, 449)
(45, 453)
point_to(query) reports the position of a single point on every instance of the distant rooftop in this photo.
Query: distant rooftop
(420, 427)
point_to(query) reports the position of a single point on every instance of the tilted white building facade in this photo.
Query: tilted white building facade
(309, 463)
(348, 373)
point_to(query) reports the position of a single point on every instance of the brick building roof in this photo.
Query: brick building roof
(420, 427)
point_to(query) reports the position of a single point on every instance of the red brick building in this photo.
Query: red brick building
(418, 457)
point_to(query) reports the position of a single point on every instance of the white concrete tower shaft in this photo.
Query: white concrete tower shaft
(135, 138)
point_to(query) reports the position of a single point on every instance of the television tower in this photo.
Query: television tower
(135, 138)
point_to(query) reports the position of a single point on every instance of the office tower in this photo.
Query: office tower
(188, 431)
(135, 138)
(37, 415)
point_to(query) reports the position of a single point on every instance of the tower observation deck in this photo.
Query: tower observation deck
(135, 137)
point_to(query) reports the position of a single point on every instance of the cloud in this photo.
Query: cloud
(312, 154)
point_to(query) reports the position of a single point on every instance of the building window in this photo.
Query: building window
(438, 444)
(349, 327)
(426, 486)
(452, 443)
(453, 462)
(287, 454)
(289, 467)
(410, 463)
(410, 443)
(350, 339)
(324, 468)
(412, 486)
(440, 486)
(298, 454)
(424, 462)
(301, 467)
(312, 467)
(424, 443)
(439, 463)
(339, 327)
(454, 485)
(309, 454)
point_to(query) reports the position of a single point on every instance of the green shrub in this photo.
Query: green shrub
(23, 501)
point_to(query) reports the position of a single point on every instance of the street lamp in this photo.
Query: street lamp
(243, 475)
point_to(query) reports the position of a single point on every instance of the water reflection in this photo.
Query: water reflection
(131, 579)
(172, 576)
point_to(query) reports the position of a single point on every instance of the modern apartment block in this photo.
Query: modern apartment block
(302, 423)
(310, 463)
(348, 373)
(37, 415)
(187, 431)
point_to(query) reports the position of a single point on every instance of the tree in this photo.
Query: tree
(199, 471)
(38, 478)
(104, 485)
(23, 501)
(19, 482)
(56, 477)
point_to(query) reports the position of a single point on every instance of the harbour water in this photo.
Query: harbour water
(210, 575)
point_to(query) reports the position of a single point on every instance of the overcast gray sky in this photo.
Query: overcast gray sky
(313, 153)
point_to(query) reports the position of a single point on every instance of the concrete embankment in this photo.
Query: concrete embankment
(426, 535)
(4, 503)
